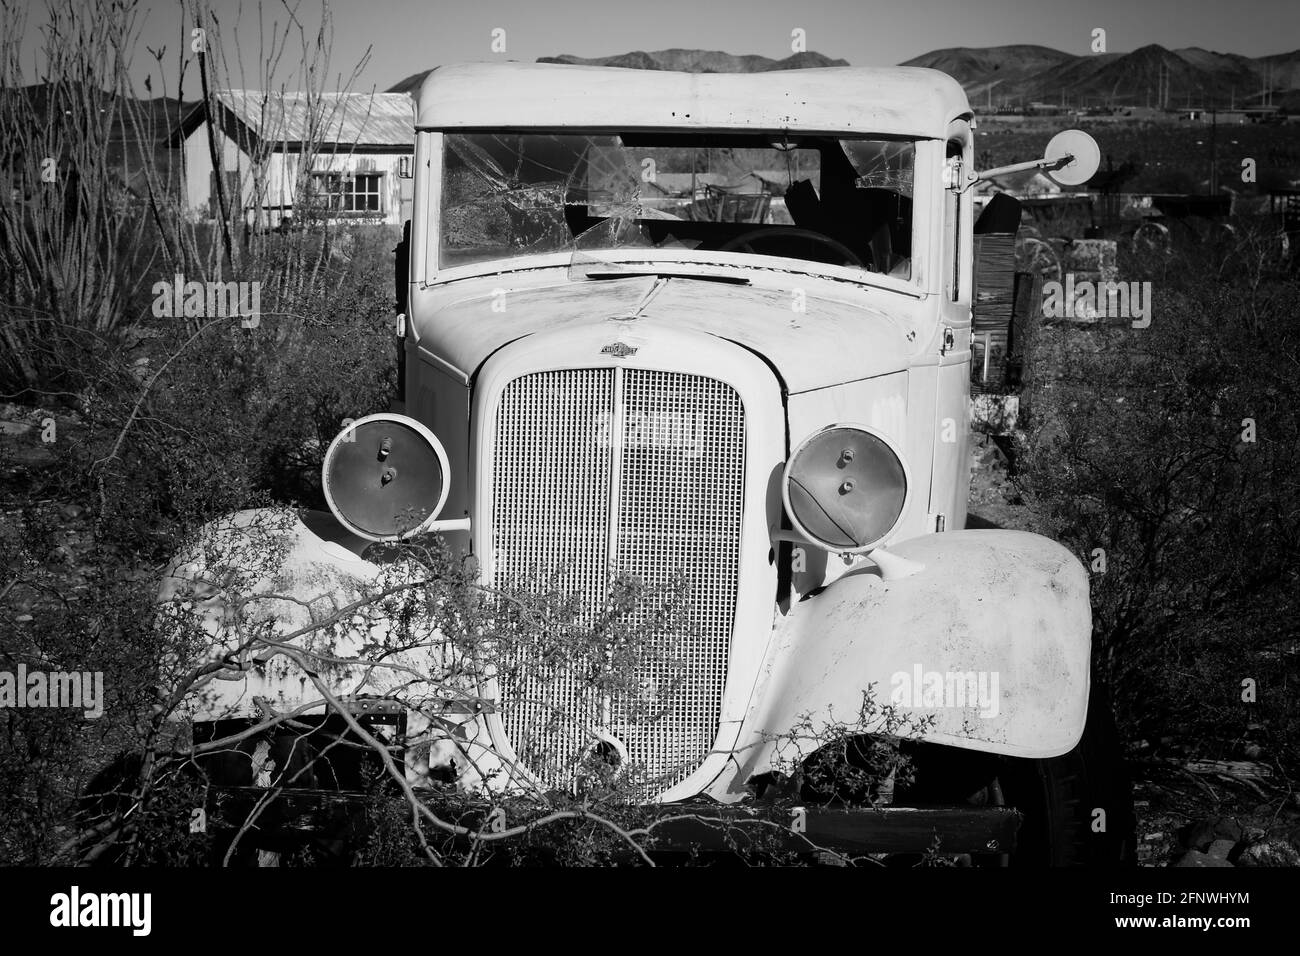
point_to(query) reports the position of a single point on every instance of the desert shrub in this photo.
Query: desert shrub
(1169, 156)
(239, 416)
(439, 619)
(70, 604)
(75, 234)
(1168, 457)
(162, 422)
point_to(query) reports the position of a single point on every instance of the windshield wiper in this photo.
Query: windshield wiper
(609, 271)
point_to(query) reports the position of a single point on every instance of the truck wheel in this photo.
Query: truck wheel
(1078, 807)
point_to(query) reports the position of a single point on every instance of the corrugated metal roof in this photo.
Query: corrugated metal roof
(346, 119)
(905, 101)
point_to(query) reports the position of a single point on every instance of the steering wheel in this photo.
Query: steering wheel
(745, 241)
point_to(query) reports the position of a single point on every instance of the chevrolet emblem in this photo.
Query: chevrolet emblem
(618, 350)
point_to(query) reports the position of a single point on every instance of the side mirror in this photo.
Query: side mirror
(1071, 158)
(1074, 156)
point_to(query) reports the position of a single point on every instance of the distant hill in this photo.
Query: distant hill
(1021, 74)
(1024, 74)
(995, 64)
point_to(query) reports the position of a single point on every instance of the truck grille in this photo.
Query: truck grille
(601, 473)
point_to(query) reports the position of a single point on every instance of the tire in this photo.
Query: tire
(1061, 796)
(1152, 236)
(1057, 797)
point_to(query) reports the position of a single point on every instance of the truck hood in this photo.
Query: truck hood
(816, 333)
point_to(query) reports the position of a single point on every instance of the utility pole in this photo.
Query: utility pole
(1214, 150)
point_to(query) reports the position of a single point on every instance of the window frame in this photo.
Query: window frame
(337, 200)
(431, 152)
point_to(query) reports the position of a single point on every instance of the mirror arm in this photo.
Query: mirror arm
(1044, 164)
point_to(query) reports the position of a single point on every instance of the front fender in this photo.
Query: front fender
(273, 573)
(1002, 617)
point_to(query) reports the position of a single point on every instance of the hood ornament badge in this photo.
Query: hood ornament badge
(618, 350)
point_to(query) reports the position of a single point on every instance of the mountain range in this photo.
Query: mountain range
(1021, 74)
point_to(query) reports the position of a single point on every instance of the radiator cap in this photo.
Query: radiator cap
(385, 476)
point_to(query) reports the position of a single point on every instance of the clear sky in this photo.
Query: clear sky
(411, 35)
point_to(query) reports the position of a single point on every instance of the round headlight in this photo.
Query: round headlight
(385, 476)
(845, 488)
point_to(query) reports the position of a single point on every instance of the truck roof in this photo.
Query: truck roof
(901, 101)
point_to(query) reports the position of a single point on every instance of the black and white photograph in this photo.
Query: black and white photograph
(563, 439)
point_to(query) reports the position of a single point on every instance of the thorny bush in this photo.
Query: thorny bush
(1169, 458)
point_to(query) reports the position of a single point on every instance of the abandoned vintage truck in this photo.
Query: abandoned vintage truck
(714, 328)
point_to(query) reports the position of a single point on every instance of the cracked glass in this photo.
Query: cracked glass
(845, 202)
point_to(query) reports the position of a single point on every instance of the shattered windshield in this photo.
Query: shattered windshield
(845, 202)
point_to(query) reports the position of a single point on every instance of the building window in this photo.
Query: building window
(348, 192)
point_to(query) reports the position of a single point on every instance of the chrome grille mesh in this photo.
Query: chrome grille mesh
(607, 472)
